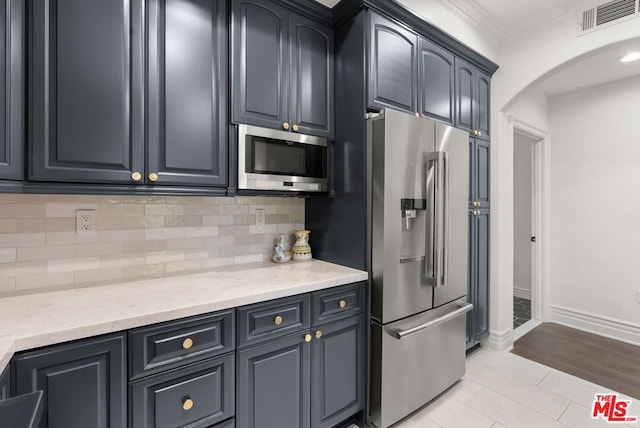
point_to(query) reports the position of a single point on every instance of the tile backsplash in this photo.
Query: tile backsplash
(136, 237)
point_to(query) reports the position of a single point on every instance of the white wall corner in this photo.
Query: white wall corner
(612, 328)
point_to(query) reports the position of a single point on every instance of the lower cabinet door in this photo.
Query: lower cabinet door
(338, 371)
(274, 384)
(5, 382)
(84, 382)
(198, 396)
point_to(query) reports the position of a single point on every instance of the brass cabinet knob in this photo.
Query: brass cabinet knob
(153, 177)
(285, 126)
(136, 176)
(476, 203)
(479, 133)
(318, 334)
(187, 403)
(296, 128)
(277, 320)
(342, 304)
(307, 338)
(187, 343)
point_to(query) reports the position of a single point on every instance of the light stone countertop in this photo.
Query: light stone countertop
(36, 320)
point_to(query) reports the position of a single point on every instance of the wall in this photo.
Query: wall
(522, 221)
(136, 237)
(595, 183)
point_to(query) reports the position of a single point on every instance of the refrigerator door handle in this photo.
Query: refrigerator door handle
(463, 308)
(436, 258)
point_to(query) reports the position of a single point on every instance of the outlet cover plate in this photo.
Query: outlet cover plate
(85, 221)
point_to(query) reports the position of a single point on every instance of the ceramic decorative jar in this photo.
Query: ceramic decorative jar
(279, 254)
(301, 249)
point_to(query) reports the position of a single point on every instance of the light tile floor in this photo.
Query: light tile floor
(503, 390)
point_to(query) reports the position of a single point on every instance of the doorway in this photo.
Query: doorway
(525, 196)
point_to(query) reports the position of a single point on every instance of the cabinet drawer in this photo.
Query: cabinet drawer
(168, 345)
(337, 303)
(198, 396)
(274, 318)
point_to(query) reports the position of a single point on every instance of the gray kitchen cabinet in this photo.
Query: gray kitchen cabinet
(464, 96)
(129, 92)
(260, 63)
(282, 69)
(478, 291)
(86, 114)
(84, 382)
(483, 109)
(338, 371)
(393, 65)
(472, 99)
(12, 91)
(312, 75)
(5, 384)
(436, 82)
(187, 92)
(294, 376)
(274, 384)
(196, 396)
(479, 177)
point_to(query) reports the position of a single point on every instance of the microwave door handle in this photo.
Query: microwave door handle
(437, 190)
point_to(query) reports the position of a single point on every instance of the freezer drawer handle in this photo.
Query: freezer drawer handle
(463, 308)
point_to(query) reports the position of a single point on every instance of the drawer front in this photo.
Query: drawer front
(274, 318)
(168, 345)
(339, 302)
(196, 397)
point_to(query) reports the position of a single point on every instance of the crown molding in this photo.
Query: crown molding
(474, 14)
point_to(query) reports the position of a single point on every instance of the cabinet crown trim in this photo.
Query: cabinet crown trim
(346, 9)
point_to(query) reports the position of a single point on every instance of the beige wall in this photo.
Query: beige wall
(137, 236)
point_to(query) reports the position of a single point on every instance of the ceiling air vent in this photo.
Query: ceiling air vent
(606, 14)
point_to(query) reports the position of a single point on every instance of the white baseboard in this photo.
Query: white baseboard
(601, 325)
(522, 293)
(500, 341)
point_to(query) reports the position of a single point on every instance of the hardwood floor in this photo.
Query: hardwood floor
(600, 360)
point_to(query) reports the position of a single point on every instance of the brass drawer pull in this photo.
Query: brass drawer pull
(295, 128)
(285, 126)
(278, 320)
(318, 334)
(187, 403)
(307, 338)
(187, 343)
(342, 304)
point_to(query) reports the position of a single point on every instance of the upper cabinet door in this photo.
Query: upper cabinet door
(483, 107)
(393, 66)
(86, 73)
(12, 89)
(312, 74)
(436, 82)
(465, 93)
(260, 64)
(187, 95)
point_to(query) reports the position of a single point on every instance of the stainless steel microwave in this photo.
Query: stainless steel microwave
(269, 159)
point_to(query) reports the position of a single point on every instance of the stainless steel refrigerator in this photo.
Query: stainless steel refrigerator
(419, 178)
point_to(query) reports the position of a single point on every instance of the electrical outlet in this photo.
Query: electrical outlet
(261, 216)
(85, 221)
